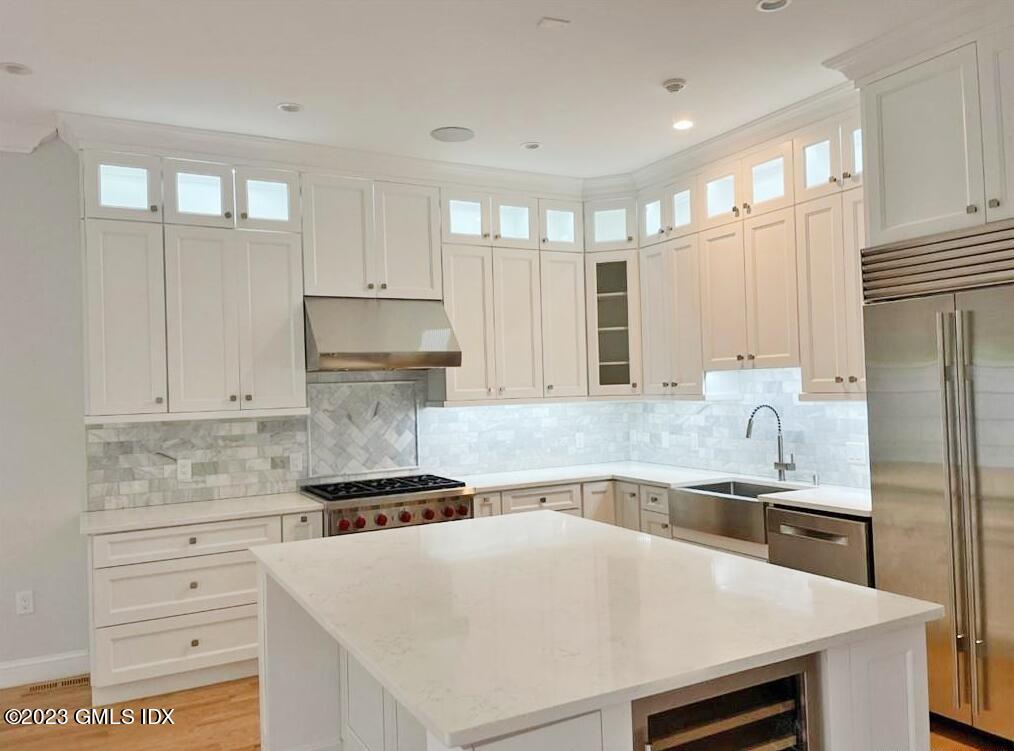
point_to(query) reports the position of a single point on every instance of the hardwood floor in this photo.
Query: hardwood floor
(223, 717)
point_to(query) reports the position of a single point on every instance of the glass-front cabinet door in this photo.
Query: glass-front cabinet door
(720, 194)
(561, 225)
(614, 323)
(466, 217)
(515, 221)
(610, 224)
(122, 186)
(267, 199)
(768, 179)
(851, 133)
(818, 164)
(198, 193)
(653, 217)
(680, 200)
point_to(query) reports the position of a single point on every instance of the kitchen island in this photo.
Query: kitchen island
(542, 631)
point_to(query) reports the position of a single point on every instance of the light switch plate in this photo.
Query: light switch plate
(184, 470)
(296, 462)
(24, 602)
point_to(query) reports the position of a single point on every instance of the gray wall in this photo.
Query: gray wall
(42, 464)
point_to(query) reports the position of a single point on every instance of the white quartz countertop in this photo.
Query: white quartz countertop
(828, 498)
(495, 625)
(176, 514)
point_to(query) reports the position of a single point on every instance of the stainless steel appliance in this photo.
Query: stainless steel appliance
(832, 546)
(940, 375)
(389, 502)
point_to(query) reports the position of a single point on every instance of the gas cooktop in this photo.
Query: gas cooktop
(381, 486)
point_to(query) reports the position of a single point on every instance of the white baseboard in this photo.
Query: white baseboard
(43, 668)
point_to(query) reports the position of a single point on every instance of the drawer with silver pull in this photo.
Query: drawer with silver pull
(555, 497)
(655, 499)
(143, 591)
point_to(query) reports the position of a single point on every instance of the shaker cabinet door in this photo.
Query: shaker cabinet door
(468, 299)
(564, 343)
(338, 237)
(517, 317)
(407, 258)
(769, 243)
(723, 300)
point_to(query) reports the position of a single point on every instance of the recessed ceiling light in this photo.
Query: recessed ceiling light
(771, 6)
(548, 22)
(16, 69)
(683, 124)
(453, 134)
(531, 145)
(290, 107)
(673, 85)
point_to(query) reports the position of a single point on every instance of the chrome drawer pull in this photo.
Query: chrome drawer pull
(812, 534)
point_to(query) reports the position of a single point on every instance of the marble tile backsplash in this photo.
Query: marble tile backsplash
(135, 464)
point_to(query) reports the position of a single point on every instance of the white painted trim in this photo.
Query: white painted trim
(25, 136)
(229, 414)
(43, 668)
(165, 684)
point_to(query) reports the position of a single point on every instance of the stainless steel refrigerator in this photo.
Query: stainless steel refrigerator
(940, 379)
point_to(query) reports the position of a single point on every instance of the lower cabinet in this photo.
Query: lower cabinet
(628, 505)
(372, 719)
(555, 497)
(306, 526)
(654, 501)
(656, 524)
(598, 501)
(487, 504)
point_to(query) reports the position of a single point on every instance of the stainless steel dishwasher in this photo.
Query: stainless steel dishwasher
(820, 544)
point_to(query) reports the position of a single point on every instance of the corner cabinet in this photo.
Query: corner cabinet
(614, 323)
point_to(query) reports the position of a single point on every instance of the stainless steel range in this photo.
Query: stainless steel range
(387, 502)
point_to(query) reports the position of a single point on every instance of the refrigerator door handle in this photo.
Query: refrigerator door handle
(970, 510)
(945, 361)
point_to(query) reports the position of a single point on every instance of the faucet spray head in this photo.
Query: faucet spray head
(749, 427)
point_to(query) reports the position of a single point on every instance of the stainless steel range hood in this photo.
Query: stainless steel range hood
(344, 333)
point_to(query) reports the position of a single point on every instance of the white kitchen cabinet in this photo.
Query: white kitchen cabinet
(923, 126)
(561, 225)
(125, 301)
(406, 259)
(723, 297)
(553, 497)
(271, 341)
(850, 130)
(372, 719)
(515, 221)
(234, 320)
(854, 217)
(487, 504)
(828, 157)
(654, 499)
(467, 217)
(517, 323)
(670, 318)
(628, 505)
(657, 524)
(996, 76)
(564, 340)
(267, 199)
(598, 501)
(610, 224)
(614, 323)
(769, 243)
(308, 525)
(652, 217)
(468, 300)
(767, 179)
(683, 207)
(338, 236)
(721, 194)
(198, 193)
(122, 186)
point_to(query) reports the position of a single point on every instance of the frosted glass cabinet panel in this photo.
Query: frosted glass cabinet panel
(561, 225)
(652, 217)
(466, 217)
(122, 186)
(614, 323)
(198, 193)
(681, 207)
(610, 224)
(768, 179)
(720, 191)
(515, 222)
(267, 199)
(828, 157)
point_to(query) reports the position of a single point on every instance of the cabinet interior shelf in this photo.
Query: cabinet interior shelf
(613, 328)
(615, 362)
(611, 294)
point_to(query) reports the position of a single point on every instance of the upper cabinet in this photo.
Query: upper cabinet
(610, 224)
(996, 75)
(564, 348)
(466, 217)
(667, 212)
(198, 193)
(721, 194)
(267, 199)
(924, 138)
(757, 182)
(614, 323)
(365, 239)
(122, 186)
(561, 225)
(507, 221)
(515, 221)
(828, 157)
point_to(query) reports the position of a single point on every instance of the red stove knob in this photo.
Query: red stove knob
(462, 509)
(448, 511)
(404, 517)
(428, 514)
(343, 525)
(360, 522)
(380, 519)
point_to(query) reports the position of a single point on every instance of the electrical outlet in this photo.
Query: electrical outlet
(855, 453)
(295, 462)
(24, 602)
(184, 470)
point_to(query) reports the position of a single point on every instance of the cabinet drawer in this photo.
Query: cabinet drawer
(556, 497)
(487, 504)
(306, 526)
(142, 591)
(180, 542)
(137, 651)
(655, 499)
(656, 524)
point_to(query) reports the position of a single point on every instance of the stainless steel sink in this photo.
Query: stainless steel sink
(737, 489)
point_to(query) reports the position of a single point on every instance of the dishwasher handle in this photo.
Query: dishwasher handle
(811, 534)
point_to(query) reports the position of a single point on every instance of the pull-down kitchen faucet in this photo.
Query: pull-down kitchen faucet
(781, 465)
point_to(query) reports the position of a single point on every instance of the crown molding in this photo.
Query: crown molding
(25, 136)
(94, 132)
(938, 32)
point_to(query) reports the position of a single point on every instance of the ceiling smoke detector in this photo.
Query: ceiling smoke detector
(673, 85)
(452, 134)
(531, 145)
(290, 107)
(16, 69)
(772, 6)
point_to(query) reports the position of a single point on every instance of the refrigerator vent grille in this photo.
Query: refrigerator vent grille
(940, 263)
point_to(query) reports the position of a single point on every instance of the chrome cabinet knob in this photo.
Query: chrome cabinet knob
(159, 400)
(633, 385)
(370, 285)
(489, 389)
(248, 397)
(153, 208)
(735, 210)
(661, 231)
(846, 175)
(545, 239)
(549, 387)
(496, 236)
(302, 520)
(630, 238)
(542, 499)
(193, 540)
(669, 228)
(751, 357)
(195, 642)
(832, 179)
(243, 215)
(853, 379)
(383, 285)
(746, 207)
(228, 215)
(839, 379)
(665, 384)
(740, 358)
(232, 397)
(971, 209)
(993, 203)
(485, 235)
(193, 585)
(501, 389)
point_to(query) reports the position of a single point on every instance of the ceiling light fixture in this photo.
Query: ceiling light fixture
(16, 69)
(548, 22)
(452, 134)
(531, 145)
(772, 6)
(683, 124)
(674, 85)
(290, 107)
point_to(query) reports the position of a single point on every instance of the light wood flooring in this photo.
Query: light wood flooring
(223, 717)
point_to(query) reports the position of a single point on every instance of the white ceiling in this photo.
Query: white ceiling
(380, 74)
